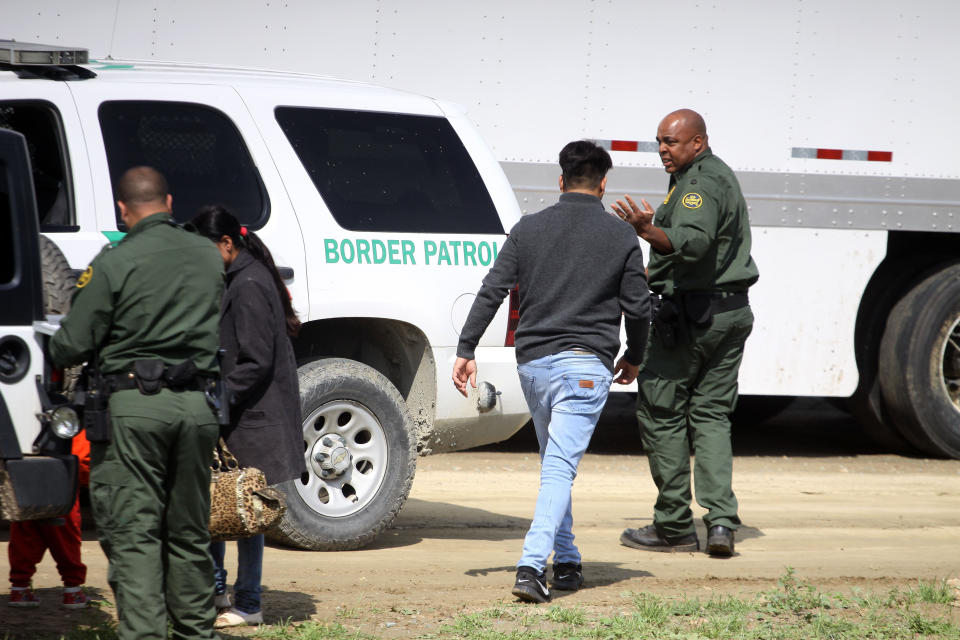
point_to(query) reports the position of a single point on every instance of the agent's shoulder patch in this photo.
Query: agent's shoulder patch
(85, 277)
(692, 201)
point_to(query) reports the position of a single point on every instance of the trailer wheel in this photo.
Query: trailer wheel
(919, 362)
(886, 287)
(360, 453)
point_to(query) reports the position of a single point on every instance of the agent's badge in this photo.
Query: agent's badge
(85, 277)
(692, 201)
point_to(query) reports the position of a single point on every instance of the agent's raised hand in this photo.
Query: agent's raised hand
(640, 218)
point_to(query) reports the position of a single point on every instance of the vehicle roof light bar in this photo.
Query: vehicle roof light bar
(29, 53)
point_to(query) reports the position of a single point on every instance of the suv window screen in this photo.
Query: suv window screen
(39, 123)
(198, 149)
(7, 253)
(390, 172)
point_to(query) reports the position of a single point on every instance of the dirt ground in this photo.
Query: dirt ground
(814, 496)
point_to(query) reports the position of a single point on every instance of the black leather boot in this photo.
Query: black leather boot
(720, 541)
(649, 539)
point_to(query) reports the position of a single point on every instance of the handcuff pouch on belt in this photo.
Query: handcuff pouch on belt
(148, 374)
(152, 375)
(95, 397)
(96, 416)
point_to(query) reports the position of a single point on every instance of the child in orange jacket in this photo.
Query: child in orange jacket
(29, 540)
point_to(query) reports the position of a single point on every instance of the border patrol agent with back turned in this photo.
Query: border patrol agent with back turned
(146, 313)
(700, 265)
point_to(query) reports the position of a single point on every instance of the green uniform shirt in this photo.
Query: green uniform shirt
(705, 218)
(156, 294)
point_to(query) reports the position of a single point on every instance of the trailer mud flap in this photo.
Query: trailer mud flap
(37, 487)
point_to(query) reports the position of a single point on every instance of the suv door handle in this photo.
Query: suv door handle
(286, 273)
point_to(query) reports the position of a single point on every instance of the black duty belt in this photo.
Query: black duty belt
(127, 381)
(725, 301)
(720, 301)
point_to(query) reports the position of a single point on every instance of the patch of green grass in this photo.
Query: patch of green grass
(348, 612)
(469, 624)
(932, 627)
(795, 596)
(310, 630)
(651, 609)
(938, 592)
(723, 626)
(502, 613)
(792, 610)
(727, 605)
(620, 627)
(575, 616)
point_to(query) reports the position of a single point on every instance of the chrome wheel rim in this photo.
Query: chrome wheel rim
(950, 364)
(337, 495)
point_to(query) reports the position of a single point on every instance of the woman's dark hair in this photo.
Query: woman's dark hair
(216, 221)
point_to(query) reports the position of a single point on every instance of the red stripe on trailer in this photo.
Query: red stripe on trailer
(623, 145)
(880, 156)
(830, 154)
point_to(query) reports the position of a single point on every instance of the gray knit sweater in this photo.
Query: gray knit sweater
(578, 268)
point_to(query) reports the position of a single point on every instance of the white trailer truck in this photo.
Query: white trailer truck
(836, 116)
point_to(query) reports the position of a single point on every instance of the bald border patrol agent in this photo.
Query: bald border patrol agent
(700, 265)
(147, 311)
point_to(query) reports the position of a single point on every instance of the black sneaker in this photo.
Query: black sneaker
(720, 541)
(567, 576)
(531, 586)
(649, 539)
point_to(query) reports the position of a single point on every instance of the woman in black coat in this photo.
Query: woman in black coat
(256, 322)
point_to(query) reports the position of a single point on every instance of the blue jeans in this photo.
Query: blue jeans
(565, 393)
(246, 590)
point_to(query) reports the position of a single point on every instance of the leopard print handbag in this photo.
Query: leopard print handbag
(241, 503)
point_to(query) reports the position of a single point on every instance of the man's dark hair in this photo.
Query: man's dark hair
(584, 164)
(142, 184)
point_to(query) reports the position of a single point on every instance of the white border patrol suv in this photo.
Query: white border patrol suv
(384, 210)
(38, 474)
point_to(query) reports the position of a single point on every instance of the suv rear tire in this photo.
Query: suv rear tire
(58, 286)
(360, 453)
(58, 278)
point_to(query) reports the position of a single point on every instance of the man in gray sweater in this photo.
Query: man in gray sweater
(578, 269)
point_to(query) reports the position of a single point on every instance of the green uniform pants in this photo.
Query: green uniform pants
(692, 389)
(150, 493)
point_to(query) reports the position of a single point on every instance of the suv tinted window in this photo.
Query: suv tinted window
(8, 255)
(39, 122)
(197, 148)
(390, 172)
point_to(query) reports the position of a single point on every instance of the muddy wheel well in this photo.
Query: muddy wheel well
(398, 350)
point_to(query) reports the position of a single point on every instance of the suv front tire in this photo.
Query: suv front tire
(360, 452)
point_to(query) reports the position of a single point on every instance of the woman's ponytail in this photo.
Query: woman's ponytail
(215, 221)
(259, 251)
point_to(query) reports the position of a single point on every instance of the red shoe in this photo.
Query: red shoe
(23, 598)
(75, 598)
